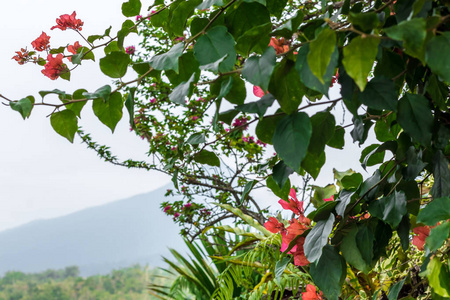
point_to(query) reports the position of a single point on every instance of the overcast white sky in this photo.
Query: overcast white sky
(42, 175)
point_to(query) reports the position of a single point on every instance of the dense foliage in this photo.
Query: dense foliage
(189, 100)
(130, 283)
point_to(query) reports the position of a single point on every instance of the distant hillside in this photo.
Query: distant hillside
(97, 239)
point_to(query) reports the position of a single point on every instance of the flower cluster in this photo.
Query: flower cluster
(54, 66)
(297, 226)
(68, 21)
(41, 43)
(24, 56)
(130, 50)
(241, 122)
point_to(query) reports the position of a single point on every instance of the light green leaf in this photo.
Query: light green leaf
(321, 49)
(182, 91)
(65, 123)
(438, 236)
(208, 3)
(131, 8)
(438, 63)
(438, 277)
(23, 106)
(359, 57)
(196, 138)
(413, 34)
(115, 64)
(207, 157)
(435, 211)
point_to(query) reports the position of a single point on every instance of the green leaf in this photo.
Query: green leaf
(359, 56)
(390, 209)
(435, 211)
(291, 139)
(23, 106)
(112, 47)
(438, 277)
(395, 290)
(258, 107)
(55, 91)
(380, 93)
(265, 128)
(276, 7)
(415, 164)
(254, 40)
(329, 272)
(321, 49)
(168, 60)
(313, 163)
(247, 189)
(323, 124)
(337, 140)
(286, 87)
(180, 15)
(187, 65)
(257, 70)
(290, 27)
(437, 62)
(208, 3)
(283, 193)
(321, 193)
(207, 157)
(415, 117)
(413, 34)
(115, 64)
(65, 123)
(214, 66)
(109, 112)
(228, 116)
(317, 238)
(82, 53)
(366, 21)
(281, 173)
(131, 8)
(196, 138)
(76, 107)
(308, 78)
(93, 38)
(239, 22)
(129, 104)
(280, 266)
(351, 252)
(246, 218)
(103, 93)
(344, 199)
(438, 236)
(182, 91)
(441, 173)
(215, 44)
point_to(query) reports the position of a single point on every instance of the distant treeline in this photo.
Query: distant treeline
(66, 284)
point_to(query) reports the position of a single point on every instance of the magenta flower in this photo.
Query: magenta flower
(130, 50)
(187, 205)
(294, 205)
(138, 17)
(176, 215)
(168, 207)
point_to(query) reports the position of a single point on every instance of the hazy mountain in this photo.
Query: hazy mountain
(97, 239)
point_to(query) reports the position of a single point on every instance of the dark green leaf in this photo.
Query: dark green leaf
(366, 21)
(286, 87)
(337, 140)
(323, 124)
(283, 193)
(291, 139)
(317, 238)
(254, 40)
(403, 230)
(390, 209)
(380, 93)
(329, 272)
(352, 253)
(415, 164)
(239, 22)
(441, 173)
(437, 62)
(344, 199)
(415, 117)
(358, 59)
(103, 93)
(313, 163)
(276, 7)
(129, 104)
(180, 15)
(395, 290)
(435, 211)
(228, 116)
(266, 128)
(131, 8)
(290, 27)
(208, 3)
(187, 65)
(207, 157)
(321, 49)
(65, 123)
(93, 38)
(257, 70)
(280, 266)
(115, 64)
(258, 107)
(168, 60)
(215, 44)
(76, 107)
(281, 173)
(109, 112)
(247, 189)
(196, 138)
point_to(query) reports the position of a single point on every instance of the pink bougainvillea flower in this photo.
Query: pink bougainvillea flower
(335, 78)
(167, 208)
(311, 293)
(54, 66)
(294, 205)
(187, 205)
(130, 50)
(41, 43)
(279, 45)
(258, 92)
(422, 233)
(295, 229)
(22, 56)
(240, 122)
(274, 226)
(68, 21)
(176, 215)
(299, 254)
(329, 199)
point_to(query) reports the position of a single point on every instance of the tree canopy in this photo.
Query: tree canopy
(386, 236)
